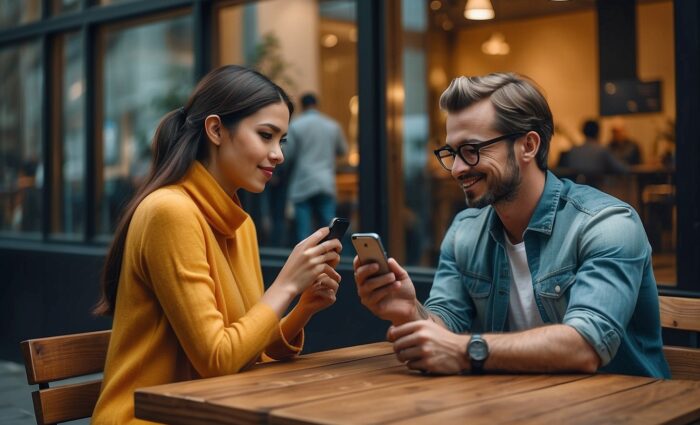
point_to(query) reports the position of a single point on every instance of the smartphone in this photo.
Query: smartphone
(370, 250)
(338, 226)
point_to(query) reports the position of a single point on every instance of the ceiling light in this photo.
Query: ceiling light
(478, 10)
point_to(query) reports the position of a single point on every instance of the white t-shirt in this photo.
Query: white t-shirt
(522, 312)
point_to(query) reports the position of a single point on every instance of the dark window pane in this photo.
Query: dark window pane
(69, 217)
(64, 6)
(21, 157)
(148, 70)
(16, 12)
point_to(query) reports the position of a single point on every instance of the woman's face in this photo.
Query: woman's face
(246, 157)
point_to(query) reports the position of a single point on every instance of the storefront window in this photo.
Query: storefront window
(148, 71)
(21, 155)
(68, 218)
(559, 49)
(306, 47)
(17, 12)
(416, 134)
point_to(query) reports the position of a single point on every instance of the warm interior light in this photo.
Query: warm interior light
(478, 10)
(329, 40)
(496, 45)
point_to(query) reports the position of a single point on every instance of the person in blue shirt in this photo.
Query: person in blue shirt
(538, 274)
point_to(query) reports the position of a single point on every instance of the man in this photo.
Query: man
(591, 160)
(313, 143)
(539, 274)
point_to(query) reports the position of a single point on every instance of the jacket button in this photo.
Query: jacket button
(557, 289)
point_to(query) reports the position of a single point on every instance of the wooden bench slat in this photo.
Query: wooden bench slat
(54, 358)
(67, 402)
(684, 362)
(680, 313)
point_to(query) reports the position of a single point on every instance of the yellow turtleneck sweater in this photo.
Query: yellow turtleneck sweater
(187, 304)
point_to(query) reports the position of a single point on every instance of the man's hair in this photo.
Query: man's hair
(309, 99)
(519, 104)
(591, 129)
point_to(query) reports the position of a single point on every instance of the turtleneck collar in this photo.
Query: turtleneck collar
(224, 213)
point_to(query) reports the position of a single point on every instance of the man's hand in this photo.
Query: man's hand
(390, 296)
(426, 346)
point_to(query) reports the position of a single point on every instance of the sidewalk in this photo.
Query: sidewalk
(16, 406)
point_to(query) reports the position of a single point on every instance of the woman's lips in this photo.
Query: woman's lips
(267, 171)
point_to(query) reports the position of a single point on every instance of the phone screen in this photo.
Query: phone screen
(338, 226)
(370, 250)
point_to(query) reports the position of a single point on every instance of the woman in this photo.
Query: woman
(182, 277)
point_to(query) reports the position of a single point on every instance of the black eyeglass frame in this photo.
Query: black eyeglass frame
(478, 146)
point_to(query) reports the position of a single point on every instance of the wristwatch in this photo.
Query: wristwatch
(478, 352)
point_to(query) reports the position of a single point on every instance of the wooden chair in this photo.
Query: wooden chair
(683, 314)
(61, 357)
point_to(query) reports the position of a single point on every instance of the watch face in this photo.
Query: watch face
(478, 350)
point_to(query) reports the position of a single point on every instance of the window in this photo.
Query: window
(304, 47)
(68, 188)
(21, 155)
(17, 12)
(148, 70)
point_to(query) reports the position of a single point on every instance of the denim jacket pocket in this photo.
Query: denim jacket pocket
(552, 292)
(479, 289)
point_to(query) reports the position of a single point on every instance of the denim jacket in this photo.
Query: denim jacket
(590, 262)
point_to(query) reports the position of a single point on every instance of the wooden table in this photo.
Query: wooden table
(367, 385)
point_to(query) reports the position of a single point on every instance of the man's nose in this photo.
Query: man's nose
(459, 167)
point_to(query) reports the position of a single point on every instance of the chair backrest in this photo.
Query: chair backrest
(683, 314)
(61, 357)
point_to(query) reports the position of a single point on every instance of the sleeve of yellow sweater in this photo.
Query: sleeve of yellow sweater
(277, 347)
(174, 258)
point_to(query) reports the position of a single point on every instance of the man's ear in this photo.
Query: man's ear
(213, 128)
(530, 146)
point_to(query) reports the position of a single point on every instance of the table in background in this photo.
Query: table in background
(366, 385)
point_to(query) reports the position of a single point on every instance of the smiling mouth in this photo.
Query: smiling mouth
(468, 182)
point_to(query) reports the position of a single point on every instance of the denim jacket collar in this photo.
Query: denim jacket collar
(542, 219)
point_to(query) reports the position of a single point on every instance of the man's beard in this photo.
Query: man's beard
(506, 188)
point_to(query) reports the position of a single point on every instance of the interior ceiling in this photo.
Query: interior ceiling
(453, 10)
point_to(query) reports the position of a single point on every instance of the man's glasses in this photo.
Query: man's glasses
(468, 152)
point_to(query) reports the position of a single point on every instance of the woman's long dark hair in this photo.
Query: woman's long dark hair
(231, 92)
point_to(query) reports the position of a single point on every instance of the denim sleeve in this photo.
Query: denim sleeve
(613, 251)
(449, 299)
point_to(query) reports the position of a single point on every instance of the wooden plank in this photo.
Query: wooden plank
(60, 357)
(684, 362)
(680, 313)
(661, 402)
(419, 396)
(67, 402)
(252, 408)
(518, 407)
(196, 401)
(258, 375)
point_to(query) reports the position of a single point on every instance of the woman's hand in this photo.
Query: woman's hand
(310, 259)
(320, 295)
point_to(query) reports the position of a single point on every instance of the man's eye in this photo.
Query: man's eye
(266, 136)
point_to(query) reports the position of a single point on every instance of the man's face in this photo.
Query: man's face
(496, 177)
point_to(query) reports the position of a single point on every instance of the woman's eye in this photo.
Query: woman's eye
(266, 136)
(283, 141)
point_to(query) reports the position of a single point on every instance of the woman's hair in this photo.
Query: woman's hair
(231, 92)
(519, 104)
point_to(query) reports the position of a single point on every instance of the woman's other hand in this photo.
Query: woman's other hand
(320, 295)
